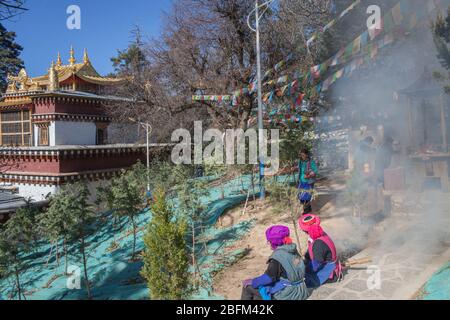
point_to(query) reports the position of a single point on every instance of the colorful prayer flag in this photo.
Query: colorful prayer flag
(356, 45)
(329, 25)
(388, 21)
(364, 38)
(397, 14)
(348, 52)
(374, 51)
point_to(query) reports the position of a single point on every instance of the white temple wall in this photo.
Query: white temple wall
(73, 133)
(35, 192)
(52, 133)
(40, 192)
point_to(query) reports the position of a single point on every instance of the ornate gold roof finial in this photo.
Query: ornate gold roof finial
(85, 57)
(59, 61)
(72, 59)
(53, 78)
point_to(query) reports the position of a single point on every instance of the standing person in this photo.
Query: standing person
(308, 172)
(383, 158)
(284, 278)
(321, 260)
(363, 155)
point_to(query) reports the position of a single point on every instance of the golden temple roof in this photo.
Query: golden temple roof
(84, 71)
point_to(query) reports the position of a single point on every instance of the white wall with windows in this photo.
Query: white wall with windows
(60, 133)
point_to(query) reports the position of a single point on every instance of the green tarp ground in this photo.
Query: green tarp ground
(110, 272)
(438, 287)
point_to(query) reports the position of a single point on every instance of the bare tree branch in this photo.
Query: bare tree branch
(207, 48)
(11, 8)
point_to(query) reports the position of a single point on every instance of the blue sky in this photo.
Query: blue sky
(105, 28)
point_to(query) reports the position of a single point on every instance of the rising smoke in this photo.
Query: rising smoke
(370, 103)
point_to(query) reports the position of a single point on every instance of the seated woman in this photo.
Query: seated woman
(322, 264)
(284, 277)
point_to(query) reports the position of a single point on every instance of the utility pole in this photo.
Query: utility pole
(149, 130)
(259, 86)
(260, 111)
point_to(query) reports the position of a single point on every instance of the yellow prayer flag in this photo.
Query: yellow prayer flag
(356, 45)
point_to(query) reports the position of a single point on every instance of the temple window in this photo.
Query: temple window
(15, 128)
(102, 134)
(43, 134)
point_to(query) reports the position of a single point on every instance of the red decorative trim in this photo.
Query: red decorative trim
(69, 117)
(89, 152)
(33, 179)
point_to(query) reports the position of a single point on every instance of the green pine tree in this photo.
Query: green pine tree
(10, 63)
(212, 168)
(166, 260)
(441, 34)
(190, 191)
(126, 196)
(17, 238)
(133, 59)
(55, 224)
(81, 221)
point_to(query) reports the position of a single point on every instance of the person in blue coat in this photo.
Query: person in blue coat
(284, 278)
(308, 172)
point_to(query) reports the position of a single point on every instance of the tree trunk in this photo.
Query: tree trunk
(222, 191)
(134, 237)
(294, 222)
(66, 262)
(114, 228)
(50, 254)
(297, 236)
(57, 253)
(194, 262)
(86, 278)
(253, 186)
(19, 289)
(205, 247)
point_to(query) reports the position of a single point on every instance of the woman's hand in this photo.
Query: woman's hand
(247, 283)
(310, 175)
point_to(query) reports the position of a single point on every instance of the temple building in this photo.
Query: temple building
(54, 130)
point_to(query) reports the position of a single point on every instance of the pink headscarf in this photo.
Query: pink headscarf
(315, 232)
(307, 221)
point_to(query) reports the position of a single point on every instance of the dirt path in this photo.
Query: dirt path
(228, 283)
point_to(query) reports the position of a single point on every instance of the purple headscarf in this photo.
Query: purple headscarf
(277, 236)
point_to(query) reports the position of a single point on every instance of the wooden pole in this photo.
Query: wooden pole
(443, 126)
(246, 202)
(410, 122)
(357, 262)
